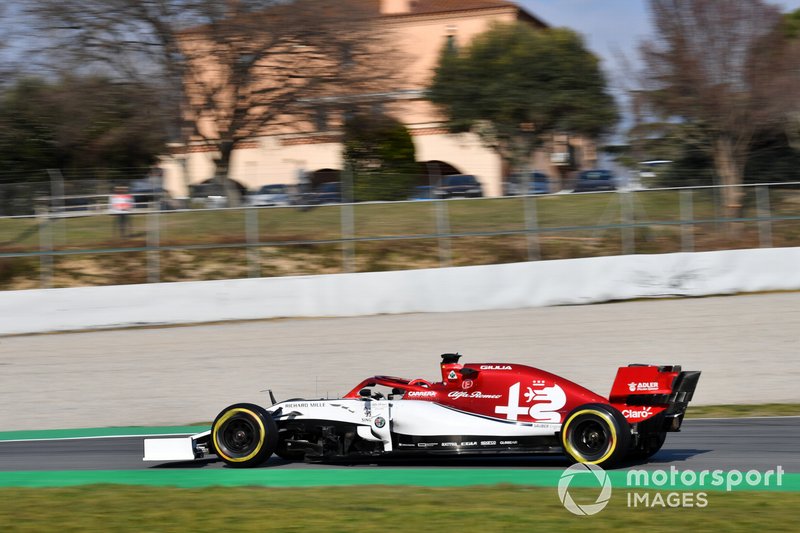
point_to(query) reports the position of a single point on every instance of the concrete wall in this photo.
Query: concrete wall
(510, 286)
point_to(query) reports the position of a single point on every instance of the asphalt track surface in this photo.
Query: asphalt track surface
(741, 444)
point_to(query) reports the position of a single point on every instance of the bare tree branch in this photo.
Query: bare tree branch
(725, 66)
(233, 70)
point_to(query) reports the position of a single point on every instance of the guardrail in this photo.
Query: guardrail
(451, 232)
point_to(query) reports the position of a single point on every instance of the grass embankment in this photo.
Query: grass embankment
(586, 216)
(366, 509)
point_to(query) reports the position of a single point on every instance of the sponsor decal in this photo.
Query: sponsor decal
(294, 405)
(546, 403)
(452, 375)
(380, 422)
(467, 384)
(645, 386)
(426, 444)
(448, 444)
(421, 394)
(470, 443)
(488, 443)
(643, 412)
(507, 442)
(537, 383)
(495, 367)
(474, 394)
(405, 445)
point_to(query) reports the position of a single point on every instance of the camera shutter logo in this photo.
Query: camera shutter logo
(595, 473)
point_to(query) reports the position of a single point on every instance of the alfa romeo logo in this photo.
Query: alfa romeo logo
(588, 472)
(380, 422)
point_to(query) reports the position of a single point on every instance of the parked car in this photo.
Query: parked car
(459, 186)
(275, 194)
(595, 180)
(329, 193)
(145, 192)
(538, 183)
(210, 195)
(421, 192)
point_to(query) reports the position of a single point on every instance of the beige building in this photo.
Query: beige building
(420, 29)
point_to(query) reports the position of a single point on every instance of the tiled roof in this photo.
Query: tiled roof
(419, 7)
(430, 7)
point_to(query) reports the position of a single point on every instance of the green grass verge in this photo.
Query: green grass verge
(571, 226)
(739, 411)
(494, 508)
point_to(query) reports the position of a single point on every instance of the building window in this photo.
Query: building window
(347, 55)
(321, 119)
(450, 44)
(348, 114)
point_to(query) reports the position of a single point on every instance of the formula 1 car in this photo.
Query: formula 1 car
(492, 408)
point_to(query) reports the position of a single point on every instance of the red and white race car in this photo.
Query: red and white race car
(489, 408)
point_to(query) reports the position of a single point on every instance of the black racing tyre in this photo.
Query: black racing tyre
(244, 435)
(649, 445)
(595, 433)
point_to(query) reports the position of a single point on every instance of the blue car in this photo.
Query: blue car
(595, 180)
(421, 192)
(538, 183)
(459, 186)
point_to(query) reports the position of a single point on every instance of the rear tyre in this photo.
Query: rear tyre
(244, 435)
(597, 434)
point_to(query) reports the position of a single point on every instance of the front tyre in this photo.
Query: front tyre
(244, 435)
(597, 434)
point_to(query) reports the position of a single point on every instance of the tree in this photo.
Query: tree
(724, 67)
(515, 85)
(236, 69)
(379, 151)
(78, 122)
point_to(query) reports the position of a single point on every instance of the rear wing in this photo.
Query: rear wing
(665, 386)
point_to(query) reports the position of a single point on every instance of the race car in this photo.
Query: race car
(487, 408)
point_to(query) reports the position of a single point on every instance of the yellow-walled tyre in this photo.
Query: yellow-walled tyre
(244, 435)
(597, 434)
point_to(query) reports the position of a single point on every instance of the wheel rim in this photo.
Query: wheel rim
(590, 438)
(239, 436)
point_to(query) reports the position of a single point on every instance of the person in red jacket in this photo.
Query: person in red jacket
(121, 207)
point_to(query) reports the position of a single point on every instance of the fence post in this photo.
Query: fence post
(347, 222)
(687, 220)
(628, 231)
(57, 193)
(253, 252)
(45, 247)
(443, 230)
(153, 239)
(764, 216)
(531, 227)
